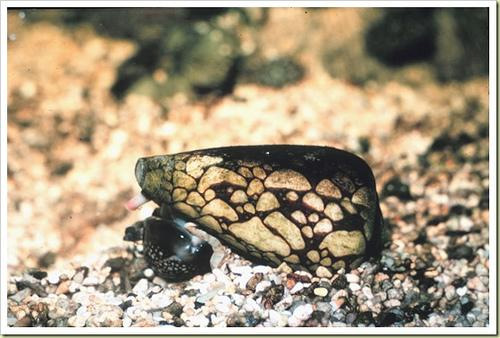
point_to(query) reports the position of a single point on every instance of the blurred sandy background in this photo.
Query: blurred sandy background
(90, 91)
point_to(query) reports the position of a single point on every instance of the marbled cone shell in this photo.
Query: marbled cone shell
(311, 207)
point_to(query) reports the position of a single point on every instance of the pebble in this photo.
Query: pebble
(53, 278)
(321, 292)
(148, 273)
(141, 286)
(90, 280)
(262, 286)
(354, 287)
(21, 295)
(352, 278)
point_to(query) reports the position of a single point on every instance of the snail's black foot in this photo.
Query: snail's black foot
(170, 250)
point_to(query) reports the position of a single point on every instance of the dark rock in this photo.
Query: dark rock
(273, 295)
(116, 264)
(254, 280)
(461, 251)
(340, 282)
(279, 72)
(61, 168)
(402, 35)
(390, 317)
(466, 304)
(365, 318)
(459, 282)
(125, 305)
(395, 187)
(175, 309)
(38, 274)
(47, 259)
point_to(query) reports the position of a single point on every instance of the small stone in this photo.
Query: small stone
(53, 278)
(284, 268)
(262, 286)
(354, 287)
(462, 291)
(91, 280)
(141, 286)
(63, 287)
(254, 280)
(297, 287)
(320, 292)
(352, 278)
(21, 295)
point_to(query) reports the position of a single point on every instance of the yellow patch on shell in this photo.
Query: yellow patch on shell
(186, 209)
(313, 256)
(217, 175)
(293, 259)
(249, 164)
(182, 180)
(238, 197)
(210, 222)
(348, 205)
(219, 208)
(323, 227)
(267, 201)
(196, 164)
(299, 216)
(338, 265)
(334, 212)
(313, 201)
(361, 196)
(342, 243)
(209, 195)
(255, 187)
(307, 231)
(195, 198)
(234, 242)
(259, 173)
(328, 189)
(323, 272)
(245, 172)
(313, 218)
(327, 261)
(287, 179)
(248, 207)
(179, 165)
(179, 194)
(255, 232)
(292, 196)
(287, 229)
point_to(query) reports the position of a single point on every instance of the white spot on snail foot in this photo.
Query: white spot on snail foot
(216, 175)
(313, 201)
(287, 179)
(334, 212)
(342, 243)
(255, 233)
(196, 163)
(285, 228)
(219, 208)
(299, 217)
(328, 189)
(267, 201)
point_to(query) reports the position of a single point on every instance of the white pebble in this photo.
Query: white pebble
(297, 287)
(352, 278)
(367, 292)
(251, 305)
(199, 320)
(462, 291)
(160, 300)
(241, 270)
(141, 286)
(160, 281)
(148, 273)
(303, 312)
(53, 278)
(277, 319)
(262, 268)
(90, 280)
(354, 287)
(262, 286)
